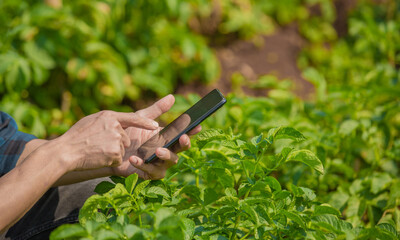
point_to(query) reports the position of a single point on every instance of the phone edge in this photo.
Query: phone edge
(196, 123)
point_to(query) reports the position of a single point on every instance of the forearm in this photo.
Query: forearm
(30, 147)
(27, 182)
(70, 177)
(80, 176)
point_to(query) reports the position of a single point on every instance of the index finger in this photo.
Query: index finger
(158, 108)
(135, 120)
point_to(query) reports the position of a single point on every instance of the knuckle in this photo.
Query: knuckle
(118, 161)
(114, 151)
(115, 124)
(105, 113)
(116, 136)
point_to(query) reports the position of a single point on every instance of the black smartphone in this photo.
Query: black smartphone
(170, 135)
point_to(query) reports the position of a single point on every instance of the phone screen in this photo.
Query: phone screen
(181, 125)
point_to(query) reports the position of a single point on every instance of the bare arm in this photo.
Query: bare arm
(28, 181)
(138, 135)
(94, 142)
(94, 147)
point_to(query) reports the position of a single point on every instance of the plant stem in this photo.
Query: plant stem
(197, 178)
(245, 170)
(244, 237)
(233, 235)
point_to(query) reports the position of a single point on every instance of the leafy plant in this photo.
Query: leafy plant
(62, 60)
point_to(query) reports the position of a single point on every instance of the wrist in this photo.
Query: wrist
(62, 153)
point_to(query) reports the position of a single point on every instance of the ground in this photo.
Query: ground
(276, 55)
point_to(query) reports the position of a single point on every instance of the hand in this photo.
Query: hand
(167, 158)
(99, 140)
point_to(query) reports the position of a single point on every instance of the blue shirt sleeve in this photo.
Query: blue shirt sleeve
(12, 143)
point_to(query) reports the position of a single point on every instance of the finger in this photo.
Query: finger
(158, 108)
(167, 155)
(135, 120)
(138, 163)
(195, 130)
(126, 141)
(184, 144)
(122, 149)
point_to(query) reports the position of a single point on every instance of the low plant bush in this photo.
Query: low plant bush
(62, 60)
(343, 182)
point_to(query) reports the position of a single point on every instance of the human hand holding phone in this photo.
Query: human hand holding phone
(159, 147)
(156, 170)
(169, 136)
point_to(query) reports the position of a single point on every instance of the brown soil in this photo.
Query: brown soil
(276, 55)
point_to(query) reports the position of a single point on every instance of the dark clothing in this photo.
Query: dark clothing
(58, 206)
(12, 143)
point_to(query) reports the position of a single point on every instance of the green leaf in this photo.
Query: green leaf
(210, 196)
(230, 192)
(218, 237)
(326, 209)
(117, 179)
(188, 48)
(38, 55)
(19, 76)
(161, 215)
(188, 226)
(130, 230)
(221, 211)
(307, 157)
(310, 195)
(338, 199)
(331, 223)
(273, 183)
(286, 133)
(280, 195)
(130, 182)
(90, 208)
(348, 127)
(155, 191)
(379, 182)
(251, 212)
(225, 177)
(68, 231)
(104, 187)
(389, 228)
(105, 234)
(40, 74)
(294, 217)
(115, 77)
(230, 201)
(316, 78)
(140, 187)
(209, 135)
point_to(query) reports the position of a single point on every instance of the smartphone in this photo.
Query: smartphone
(170, 135)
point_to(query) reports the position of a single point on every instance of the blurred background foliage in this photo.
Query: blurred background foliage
(62, 60)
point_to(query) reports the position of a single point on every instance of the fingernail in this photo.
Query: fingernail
(187, 142)
(155, 124)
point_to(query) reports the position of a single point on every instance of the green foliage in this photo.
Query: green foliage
(91, 55)
(328, 171)
(62, 60)
(245, 201)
